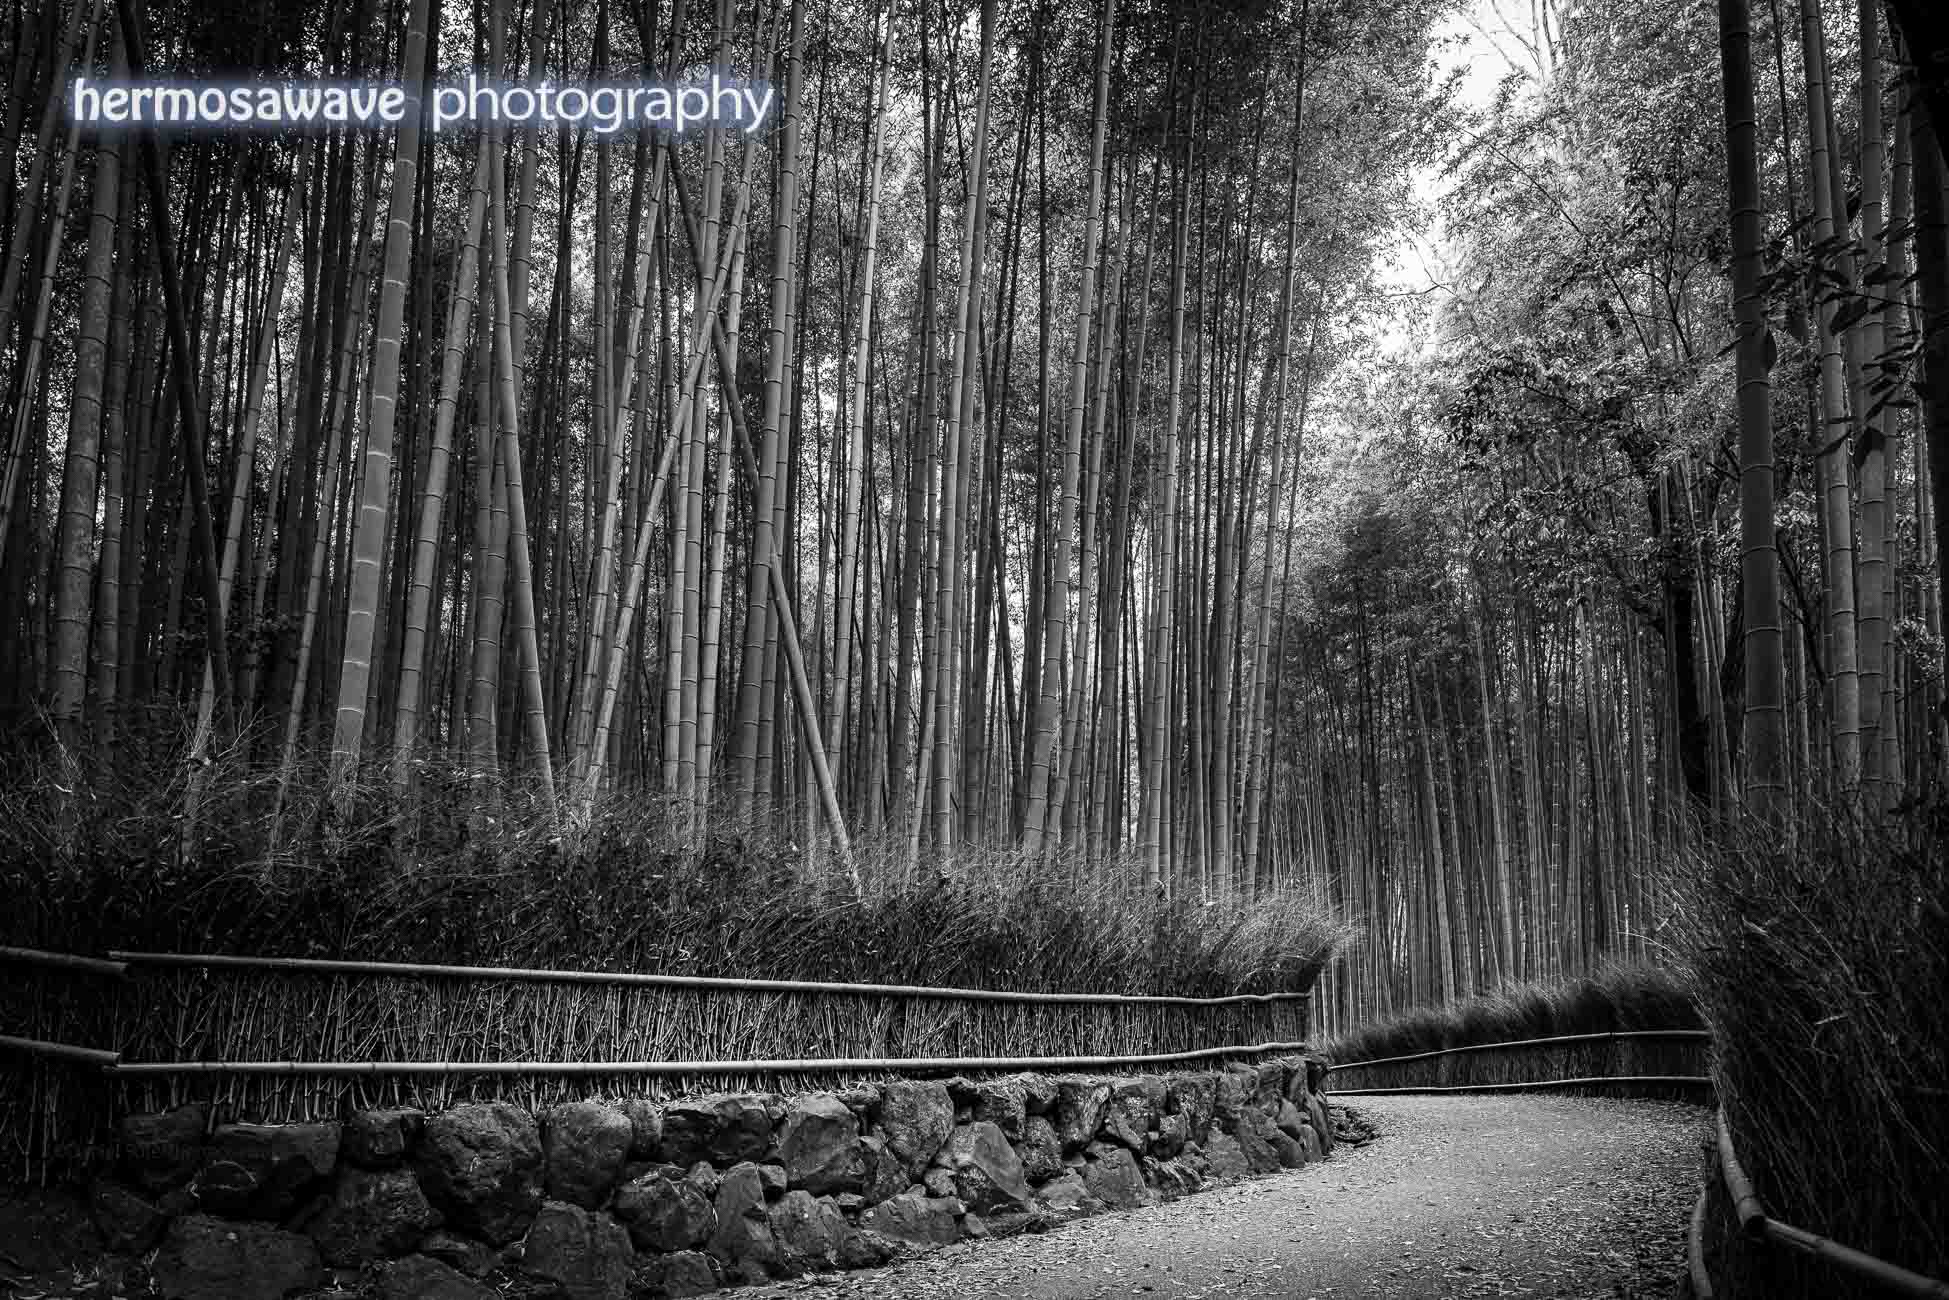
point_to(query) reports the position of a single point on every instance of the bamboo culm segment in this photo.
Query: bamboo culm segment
(893, 1065)
(329, 967)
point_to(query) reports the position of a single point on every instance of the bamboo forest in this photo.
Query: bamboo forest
(1411, 500)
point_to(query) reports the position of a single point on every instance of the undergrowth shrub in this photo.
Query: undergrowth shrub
(101, 855)
(1822, 963)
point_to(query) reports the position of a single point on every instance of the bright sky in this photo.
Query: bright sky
(1474, 44)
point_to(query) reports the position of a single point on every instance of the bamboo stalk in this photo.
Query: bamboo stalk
(61, 1051)
(1745, 1204)
(1695, 1251)
(911, 1065)
(1530, 1042)
(1695, 1079)
(316, 965)
(64, 961)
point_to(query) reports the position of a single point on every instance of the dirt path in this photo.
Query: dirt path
(1459, 1197)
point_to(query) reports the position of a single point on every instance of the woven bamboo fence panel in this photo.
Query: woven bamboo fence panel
(164, 1012)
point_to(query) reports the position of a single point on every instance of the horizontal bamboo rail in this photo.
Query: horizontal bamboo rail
(1695, 1249)
(1528, 1042)
(64, 961)
(1754, 1222)
(916, 1065)
(1693, 1079)
(320, 966)
(61, 1051)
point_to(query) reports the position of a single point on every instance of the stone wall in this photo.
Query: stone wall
(594, 1200)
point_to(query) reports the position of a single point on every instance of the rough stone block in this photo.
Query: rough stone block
(1132, 1112)
(1079, 1111)
(584, 1253)
(480, 1165)
(1317, 1116)
(917, 1220)
(987, 1172)
(819, 1144)
(1040, 1149)
(1172, 1135)
(915, 1119)
(705, 1178)
(966, 1095)
(1038, 1092)
(645, 1127)
(682, 1273)
(463, 1254)
(1269, 1082)
(370, 1215)
(724, 1130)
(1065, 1196)
(664, 1214)
(1289, 1150)
(742, 1240)
(160, 1152)
(1193, 1096)
(886, 1174)
(380, 1139)
(1170, 1178)
(1226, 1158)
(1253, 1137)
(1112, 1176)
(864, 1250)
(808, 1230)
(264, 1171)
(420, 1277)
(584, 1145)
(204, 1258)
(1003, 1103)
(128, 1223)
(863, 1099)
(1231, 1096)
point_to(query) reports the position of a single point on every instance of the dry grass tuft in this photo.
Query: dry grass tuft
(466, 869)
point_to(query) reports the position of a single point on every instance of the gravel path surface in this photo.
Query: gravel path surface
(1459, 1197)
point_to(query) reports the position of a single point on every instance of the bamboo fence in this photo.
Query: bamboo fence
(282, 1039)
(1658, 1060)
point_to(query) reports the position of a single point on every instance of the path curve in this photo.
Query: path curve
(1460, 1196)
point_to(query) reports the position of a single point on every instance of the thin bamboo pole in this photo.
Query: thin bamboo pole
(64, 961)
(319, 965)
(1530, 1042)
(1697, 1080)
(61, 1051)
(915, 1065)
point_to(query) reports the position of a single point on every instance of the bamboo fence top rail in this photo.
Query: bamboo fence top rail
(1698, 1080)
(60, 1051)
(321, 966)
(1527, 1042)
(64, 961)
(923, 1064)
(1695, 1249)
(1754, 1222)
